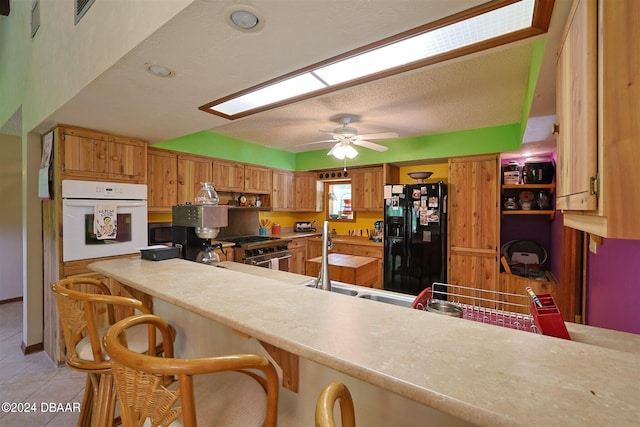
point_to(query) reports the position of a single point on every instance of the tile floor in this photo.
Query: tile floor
(34, 379)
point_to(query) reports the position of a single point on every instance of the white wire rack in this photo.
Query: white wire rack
(504, 309)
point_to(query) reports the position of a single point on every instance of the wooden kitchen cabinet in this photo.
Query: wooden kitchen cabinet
(228, 176)
(577, 127)
(308, 194)
(298, 250)
(192, 171)
(367, 187)
(174, 178)
(598, 71)
(474, 222)
(93, 155)
(162, 178)
(314, 247)
(257, 180)
(282, 196)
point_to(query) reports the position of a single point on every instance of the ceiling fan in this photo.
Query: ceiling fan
(346, 137)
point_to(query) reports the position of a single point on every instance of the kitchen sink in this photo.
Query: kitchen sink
(365, 293)
(388, 299)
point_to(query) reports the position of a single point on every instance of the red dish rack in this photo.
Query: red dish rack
(504, 309)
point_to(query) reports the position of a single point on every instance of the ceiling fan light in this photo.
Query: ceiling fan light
(340, 151)
(350, 152)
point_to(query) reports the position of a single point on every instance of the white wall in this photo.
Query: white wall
(10, 217)
(37, 77)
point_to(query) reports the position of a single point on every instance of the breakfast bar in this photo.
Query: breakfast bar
(403, 366)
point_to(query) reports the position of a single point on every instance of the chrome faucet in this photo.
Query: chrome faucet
(323, 279)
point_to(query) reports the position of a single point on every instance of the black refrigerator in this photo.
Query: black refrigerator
(415, 236)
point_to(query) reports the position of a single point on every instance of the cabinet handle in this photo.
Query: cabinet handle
(171, 182)
(181, 182)
(555, 129)
(101, 156)
(116, 158)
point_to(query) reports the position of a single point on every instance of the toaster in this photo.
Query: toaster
(301, 226)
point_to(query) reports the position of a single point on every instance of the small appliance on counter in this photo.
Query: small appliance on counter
(195, 225)
(376, 233)
(303, 226)
(159, 253)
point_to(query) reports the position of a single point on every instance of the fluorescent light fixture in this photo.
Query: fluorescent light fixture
(342, 150)
(289, 88)
(485, 26)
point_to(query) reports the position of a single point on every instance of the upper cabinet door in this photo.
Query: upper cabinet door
(161, 180)
(367, 188)
(258, 180)
(84, 156)
(282, 198)
(576, 110)
(127, 160)
(228, 176)
(191, 172)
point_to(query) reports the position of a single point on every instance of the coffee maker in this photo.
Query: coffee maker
(194, 226)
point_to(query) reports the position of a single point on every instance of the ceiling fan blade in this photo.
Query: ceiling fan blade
(326, 141)
(381, 135)
(330, 132)
(371, 145)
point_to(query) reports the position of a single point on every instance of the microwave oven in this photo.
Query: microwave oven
(160, 233)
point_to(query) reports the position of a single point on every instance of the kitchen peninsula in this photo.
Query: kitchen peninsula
(404, 367)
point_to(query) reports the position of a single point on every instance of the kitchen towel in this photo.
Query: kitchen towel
(105, 224)
(274, 263)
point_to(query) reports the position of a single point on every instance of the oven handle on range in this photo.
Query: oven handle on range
(269, 260)
(92, 203)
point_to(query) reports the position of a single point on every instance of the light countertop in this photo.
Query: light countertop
(480, 373)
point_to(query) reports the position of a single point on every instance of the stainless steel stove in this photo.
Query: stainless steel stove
(261, 251)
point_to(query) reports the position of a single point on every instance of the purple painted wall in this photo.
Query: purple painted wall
(613, 286)
(613, 275)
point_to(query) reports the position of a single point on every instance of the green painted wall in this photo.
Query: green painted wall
(534, 73)
(462, 143)
(211, 144)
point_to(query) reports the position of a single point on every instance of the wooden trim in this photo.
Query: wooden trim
(10, 300)
(571, 289)
(33, 348)
(288, 362)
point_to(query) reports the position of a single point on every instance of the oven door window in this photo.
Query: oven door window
(123, 233)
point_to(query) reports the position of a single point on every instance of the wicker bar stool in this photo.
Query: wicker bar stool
(326, 401)
(220, 391)
(80, 312)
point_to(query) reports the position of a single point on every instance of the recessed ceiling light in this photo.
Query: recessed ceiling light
(159, 70)
(244, 18)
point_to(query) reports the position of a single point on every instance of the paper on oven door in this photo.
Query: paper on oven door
(105, 224)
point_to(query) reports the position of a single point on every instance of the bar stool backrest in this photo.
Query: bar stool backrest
(81, 312)
(141, 380)
(326, 401)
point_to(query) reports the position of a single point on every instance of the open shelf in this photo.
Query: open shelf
(550, 187)
(549, 212)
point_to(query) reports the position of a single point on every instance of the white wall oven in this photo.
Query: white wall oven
(101, 219)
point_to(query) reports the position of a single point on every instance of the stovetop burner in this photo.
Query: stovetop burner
(240, 240)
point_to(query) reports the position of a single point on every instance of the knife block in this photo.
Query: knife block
(548, 319)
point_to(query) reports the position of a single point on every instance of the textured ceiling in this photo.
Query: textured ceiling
(211, 60)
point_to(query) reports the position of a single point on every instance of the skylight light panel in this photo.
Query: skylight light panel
(464, 33)
(429, 44)
(295, 86)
